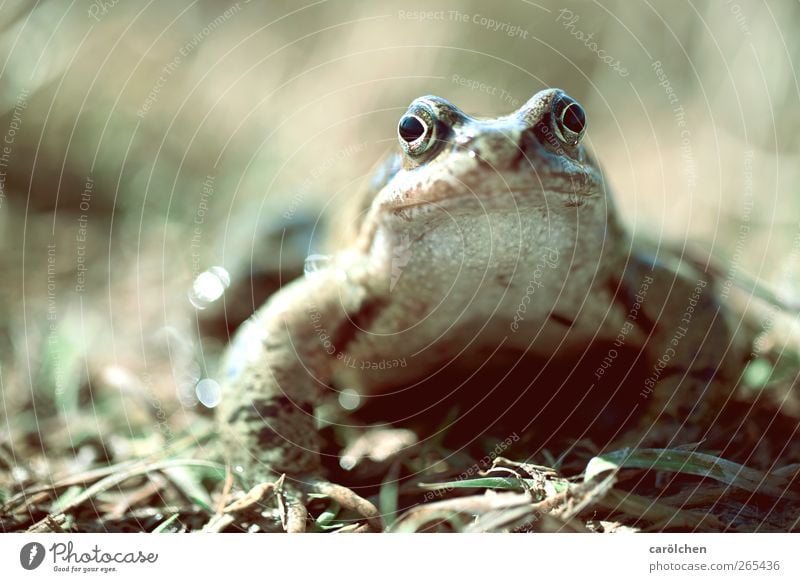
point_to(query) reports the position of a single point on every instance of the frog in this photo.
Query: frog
(479, 240)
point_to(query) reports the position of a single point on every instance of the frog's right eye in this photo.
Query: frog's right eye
(415, 131)
(569, 119)
(411, 128)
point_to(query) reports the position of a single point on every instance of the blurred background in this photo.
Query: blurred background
(152, 153)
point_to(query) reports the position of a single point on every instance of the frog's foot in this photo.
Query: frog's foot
(296, 495)
(378, 446)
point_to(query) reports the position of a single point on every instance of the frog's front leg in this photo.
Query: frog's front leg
(273, 377)
(692, 358)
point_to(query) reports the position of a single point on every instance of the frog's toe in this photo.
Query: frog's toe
(379, 446)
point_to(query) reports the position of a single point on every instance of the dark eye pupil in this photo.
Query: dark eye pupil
(410, 128)
(573, 118)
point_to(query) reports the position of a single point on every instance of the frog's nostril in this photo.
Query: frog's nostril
(411, 128)
(492, 148)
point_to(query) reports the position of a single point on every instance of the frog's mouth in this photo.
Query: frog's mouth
(488, 186)
(519, 198)
(449, 191)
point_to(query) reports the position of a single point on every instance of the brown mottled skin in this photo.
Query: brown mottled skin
(480, 236)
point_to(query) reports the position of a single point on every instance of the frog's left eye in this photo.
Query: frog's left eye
(416, 131)
(569, 119)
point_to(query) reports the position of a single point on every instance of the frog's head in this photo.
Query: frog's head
(466, 194)
(448, 156)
